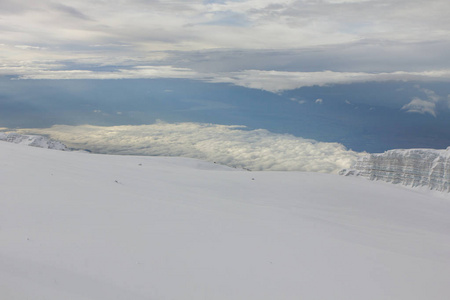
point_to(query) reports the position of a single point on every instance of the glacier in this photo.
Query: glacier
(78, 226)
(32, 140)
(411, 167)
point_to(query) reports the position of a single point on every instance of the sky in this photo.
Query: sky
(368, 75)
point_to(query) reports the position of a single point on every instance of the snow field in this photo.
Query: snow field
(86, 226)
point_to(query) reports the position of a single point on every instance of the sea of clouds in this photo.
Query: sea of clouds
(228, 145)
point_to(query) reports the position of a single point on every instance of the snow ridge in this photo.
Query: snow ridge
(32, 140)
(411, 167)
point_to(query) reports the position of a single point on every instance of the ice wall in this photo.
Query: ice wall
(32, 140)
(412, 167)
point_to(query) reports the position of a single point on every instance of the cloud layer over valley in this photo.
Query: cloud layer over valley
(228, 145)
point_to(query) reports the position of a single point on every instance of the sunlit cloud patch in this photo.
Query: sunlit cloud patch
(229, 145)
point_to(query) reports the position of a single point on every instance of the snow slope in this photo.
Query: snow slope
(85, 226)
(412, 167)
(32, 140)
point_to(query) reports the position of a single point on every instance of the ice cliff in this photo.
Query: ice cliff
(412, 167)
(32, 140)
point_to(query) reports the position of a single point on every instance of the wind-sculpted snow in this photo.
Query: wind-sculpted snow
(412, 167)
(32, 140)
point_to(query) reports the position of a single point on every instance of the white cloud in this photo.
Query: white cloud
(228, 145)
(28, 47)
(276, 81)
(273, 81)
(420, 106)
(301, 101)
(136, 72)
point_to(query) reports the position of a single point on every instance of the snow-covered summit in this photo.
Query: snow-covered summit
(32, 140)
(76, 226)
(412, 167)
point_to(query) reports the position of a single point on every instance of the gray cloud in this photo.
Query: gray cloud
(19, 6)
(228, 145)
(364, 55)
(71, 11)
(346, 36)
(431, 95)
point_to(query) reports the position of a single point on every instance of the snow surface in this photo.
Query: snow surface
(32, 140)
(86, 226)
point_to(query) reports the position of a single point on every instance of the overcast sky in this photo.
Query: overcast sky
(227, 41)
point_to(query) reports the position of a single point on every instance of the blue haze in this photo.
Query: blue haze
(363, 116)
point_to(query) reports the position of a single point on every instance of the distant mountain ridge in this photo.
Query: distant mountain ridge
(411, 167)
(32, 140)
